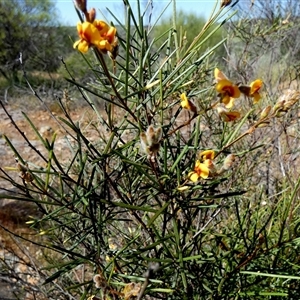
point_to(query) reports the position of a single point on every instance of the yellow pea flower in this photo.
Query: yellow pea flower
(252, 90)
(187, 104)
(226, 88)
(108, 34)
(207, 154)
(255, 86)
(101, 26)
(229, 92)
(228, 116)
(98, 34)
(201, 170)
(219, 75)
(89, 35)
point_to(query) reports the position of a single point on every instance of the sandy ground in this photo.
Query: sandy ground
(12, 212)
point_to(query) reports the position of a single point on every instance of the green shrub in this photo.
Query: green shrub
(166, 192)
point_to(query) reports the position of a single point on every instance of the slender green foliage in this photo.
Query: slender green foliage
(161, 195)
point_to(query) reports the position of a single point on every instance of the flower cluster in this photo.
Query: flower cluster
(98, 34)
(205, 166)
(95, 33)
(228, 92)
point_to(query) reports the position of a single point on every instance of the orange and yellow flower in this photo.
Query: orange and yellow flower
(252, 90)
(255, 86)
(219, 75)
(108, 34)
(204, 166)
(201, 170)
(207, 154)
(98, 34)
(89, 35)
(228, 90)
(228, 116)
(187, 104)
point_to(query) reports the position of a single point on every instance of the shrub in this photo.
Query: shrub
(161, 194)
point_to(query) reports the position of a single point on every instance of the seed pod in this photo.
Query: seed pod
(150, 140)
(228, 162)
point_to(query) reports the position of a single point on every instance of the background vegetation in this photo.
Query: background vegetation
(115, 221)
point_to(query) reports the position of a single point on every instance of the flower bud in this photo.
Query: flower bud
(91, 15)
(280, 113)
(99, 282)
(279, 105)
(263, 124)
(288, 104)
(227, 116)
(225, 3)
(183, 188)
(265, 112)
(187, 104)
(81, 5)
(151, 135)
